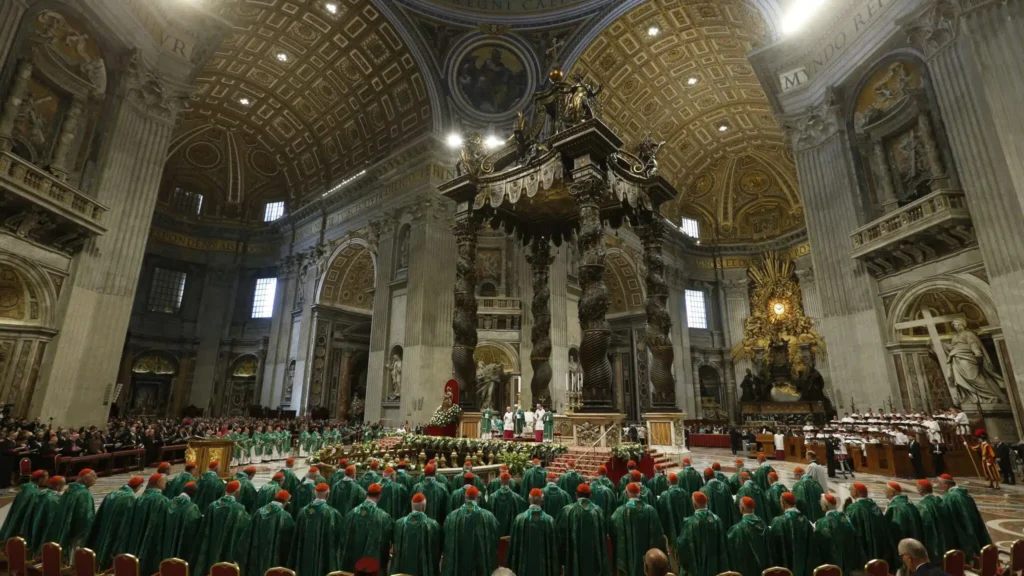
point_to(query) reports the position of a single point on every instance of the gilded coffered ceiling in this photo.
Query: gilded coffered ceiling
(318, 88)
(685, 84)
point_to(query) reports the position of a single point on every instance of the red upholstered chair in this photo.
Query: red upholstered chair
(224, 569)
(17, 557)
(85, 562)
(52, 559)
(954, 563)
(126, 565)
(1017, 558)
(175, 567)
(878, 568)
(989, 560)
(503, 549)
(25, 467)
(777, 571)
(279, 572)
(828, 570)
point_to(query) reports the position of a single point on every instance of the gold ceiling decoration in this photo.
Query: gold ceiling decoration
(349, 279)
(685, 84)
(321, 93)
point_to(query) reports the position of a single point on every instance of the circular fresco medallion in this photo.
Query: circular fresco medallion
(203, 155)
(263, 163)
(491, 79)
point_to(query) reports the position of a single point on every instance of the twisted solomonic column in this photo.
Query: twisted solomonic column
(540, 335)
(659, 322)
(464, 316)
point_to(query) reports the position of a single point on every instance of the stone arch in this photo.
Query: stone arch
(33, 289)
(626, 288)
(350, 278)
(492, 351)
(972, 289)
(152, 361)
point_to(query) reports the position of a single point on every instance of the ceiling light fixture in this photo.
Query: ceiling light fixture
(331, 7)
(799, 14)
(282, 56)
(653, 31)
(691, 80)
(244, 101)
(344, 183)
(455, 140)
(491, 142)
(723, 127)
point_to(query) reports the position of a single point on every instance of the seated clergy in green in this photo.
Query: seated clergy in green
(75, 515)
(417, 542)
(366, 531)
(115, 509)
(266, 543)
(533, 547)
(749, 541)
(700, 549)
(835, 539)
(904, 518)
(969, 529)
(582, 536)
(316, 541)
(505, 504)
(793, 539)
(635, 529)
(220, 531)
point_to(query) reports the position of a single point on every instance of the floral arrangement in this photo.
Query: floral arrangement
(516, 461)
(445, 416)
(628, 451)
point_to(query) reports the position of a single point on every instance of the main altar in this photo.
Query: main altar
(560, 178)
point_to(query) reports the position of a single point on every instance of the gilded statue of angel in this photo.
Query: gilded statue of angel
(581, 100)
(471, 156)
(647, 151)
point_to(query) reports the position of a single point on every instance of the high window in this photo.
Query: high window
(166, 292)
(263, 299)
(696, 309)
(691, 228)
(187, 201)
(273, 211)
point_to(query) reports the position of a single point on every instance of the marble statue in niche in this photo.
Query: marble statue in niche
(395, 374)
(972, 372)
(488, 378)
(403, 249)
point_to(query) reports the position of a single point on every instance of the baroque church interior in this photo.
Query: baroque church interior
(225, 206)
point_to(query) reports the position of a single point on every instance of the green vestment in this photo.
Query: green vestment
(437, 498)
(316, 541)
(176, 485)
(21, 509)
(456, 498)
(346, 495)
(470, 542)
(143, 537)
(74, 519)
(626, 479)
(605, 498)
(734, 480)
(366, 531)
(774, 495)
(183, 519)
(266, 494)
(635, 529)
(658, 485)
(303, 497)
(700, 548)
(505, 505)
(583, 540)
(417, 548)
(968, 527)
(246, 494)
(219, 533)
(808, 498)
(46, 508)
(394, 499)
(645, 494)
(936, 526)
(872, 529)
(761, 475)
(291, 481)
(267, 542)
(405, 479)
(533, 548)
(674, 507)
(569, 481)
(554, 500)
(754, 491)
(835, 540)
(485, 423)
(793, 543)
(721, 503)
(549, 426)
(606, 482)
(495, 485)
(369, 477)
(904, 519)
(690, 480)
(721, 476)
(115, 509)
(520, 422)
(535, 477)
(749, 546)
(211, 488)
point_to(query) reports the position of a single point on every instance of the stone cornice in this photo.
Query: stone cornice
(932, 28)
(157, 96)
(817, 125)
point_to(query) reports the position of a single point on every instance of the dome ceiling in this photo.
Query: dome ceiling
(319, 92)
(686, 83)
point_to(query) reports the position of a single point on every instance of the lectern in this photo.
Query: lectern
(204, 451)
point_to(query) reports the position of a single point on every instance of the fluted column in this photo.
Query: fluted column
(11, 13)
(95, 314)
(849, 322)
(540, 309)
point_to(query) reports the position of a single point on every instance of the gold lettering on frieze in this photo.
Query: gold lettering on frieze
(792, 253)
(193, 242)
(171, 40)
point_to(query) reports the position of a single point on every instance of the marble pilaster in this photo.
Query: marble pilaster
(686, 398)
(737, 309)
(276, 364)
(812, 309)
(380, 328)
(216, 308)
(11, 14)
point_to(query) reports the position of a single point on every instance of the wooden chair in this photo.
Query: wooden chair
(878, 568)
(777, 571)
(126, 565)
(279, 572)
(224, 569)
(503, 549)
(1017, 558)
(17, 557)
(175, 567)
(989, 560)
(85, 562)
(828, 570)
(52, 556)
(954, 563)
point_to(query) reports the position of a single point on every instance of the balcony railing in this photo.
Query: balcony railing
(499, 313)
(38, 187)
(923, 230)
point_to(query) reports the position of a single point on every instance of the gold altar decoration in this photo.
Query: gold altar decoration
(776, 315)
(202, 452)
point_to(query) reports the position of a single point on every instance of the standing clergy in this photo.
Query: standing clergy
(505, 504)
(417, 542)
(674, 507)
(690, 480)
(45, 515)
(538, 423)
(734, 480)
(603, 495)
(394, 498)
(306, 492)
(570, 479)
(760, 475)
(366, 531)
(603, 479)
(748, 489)
(269, 490)
(836, 540)
(582, 537)
(749, 541)
(508, 424)
(266, 542)
(347, 493)
(402, 477)
(793, 539)
(495, 482)
(183, 519)
(936, 522)
(775, 491)
(372, 476)
(628, 477)
(177, 484)
(291, 481)
(222, 527)
(520, 421)
(700, 549)
(717, 468)
(458, 496)
(808, 496)
(143, 537)
(317, 537)
(554, 497)
(903, 517)
(436, 494)
(720, 499)
(969, 529)
(247, 493)
(115, 509)
(470, 539)
(211, 487)
(534, 477)
(872, 528)
(645, 493)
(75, 515)
(533, 548)
(817, 471)
(659, 483)
(20, 515)
(635, 529)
